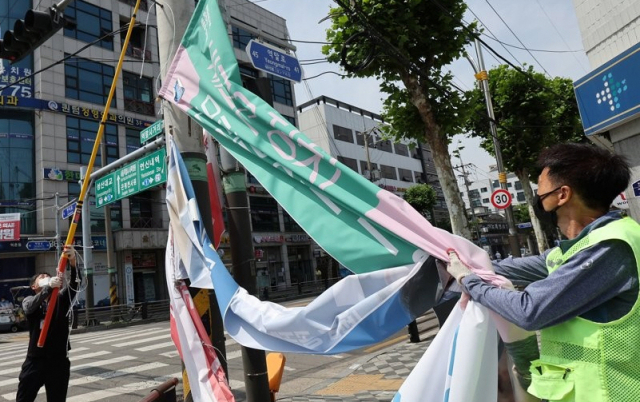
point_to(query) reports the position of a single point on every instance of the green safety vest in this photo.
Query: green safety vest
(586, 361)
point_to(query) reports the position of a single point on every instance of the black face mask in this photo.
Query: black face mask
(545, 217)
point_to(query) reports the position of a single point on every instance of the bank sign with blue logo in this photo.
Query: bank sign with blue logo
(610, 95)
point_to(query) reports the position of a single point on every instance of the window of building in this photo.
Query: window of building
(17, 167)
(520, 196)
(88, 81)
(97, 214)
(137, 47)
(518, 185)
(350, 162)
(264, 214)
(485, 200)
(495, 184)
(290, 119)
(509, 185)
(342, 133)
(251, 179)
(81, 135)
(141, 211)
(91, 23)
(402, 149)
(405, 175)
(289, 224)
(360, 138)
(484, 190)
(143, 4)
(240, 37)
(138, 93)
(388, 172)
(281, 90)
(132, 136)
(365, 171)
(385, 145)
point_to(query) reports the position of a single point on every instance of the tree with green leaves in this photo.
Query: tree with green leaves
(532, 113)
(407, 45)
(422, 197)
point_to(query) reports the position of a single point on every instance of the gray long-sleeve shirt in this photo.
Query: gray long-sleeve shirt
(599, 283)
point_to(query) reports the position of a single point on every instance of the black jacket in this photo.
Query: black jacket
(57, 342)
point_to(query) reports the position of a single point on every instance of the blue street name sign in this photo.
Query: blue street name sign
(524, 225)
(610, 95)
(68, 210)
(42, 245)
(274, 61)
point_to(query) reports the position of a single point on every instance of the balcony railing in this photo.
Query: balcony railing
(146, 223)
(138, 53)
(137, 106)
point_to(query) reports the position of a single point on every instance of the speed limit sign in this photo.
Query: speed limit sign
(501, 199)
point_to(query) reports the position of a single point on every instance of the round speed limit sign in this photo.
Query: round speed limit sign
(501, 199)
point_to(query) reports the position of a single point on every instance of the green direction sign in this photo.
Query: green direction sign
(151, 131)
(146, 172)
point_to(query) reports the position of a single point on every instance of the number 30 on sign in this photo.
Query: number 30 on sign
(501, 199)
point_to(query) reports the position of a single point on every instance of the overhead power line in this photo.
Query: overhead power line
(516, 36)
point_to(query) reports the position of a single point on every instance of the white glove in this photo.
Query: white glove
(456, 268)
(70, 253)
(55, 282)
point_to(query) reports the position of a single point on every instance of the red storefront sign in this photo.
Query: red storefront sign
(10, 227)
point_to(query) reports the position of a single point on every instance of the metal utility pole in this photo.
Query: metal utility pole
(87, 250)
(58, 248)
(466, 184)
(244, 270)
(172, 19)
(111, 269)
(483, 78)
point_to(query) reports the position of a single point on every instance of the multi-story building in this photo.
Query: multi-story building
(353, 136)
(609, 95)
(48, 124)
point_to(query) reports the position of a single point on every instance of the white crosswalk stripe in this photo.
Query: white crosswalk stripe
(99, 377)
(139, 341)
(137, 386)
(119, 364)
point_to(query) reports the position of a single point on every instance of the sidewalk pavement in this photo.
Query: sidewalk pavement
(374, 378)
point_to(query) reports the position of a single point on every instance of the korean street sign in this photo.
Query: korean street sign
(140, 175)
(153, 130)
(68, 210)
(42, 245)
(105, 190)
(273, 60)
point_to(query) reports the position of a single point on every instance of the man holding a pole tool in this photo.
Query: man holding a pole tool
(48, 365)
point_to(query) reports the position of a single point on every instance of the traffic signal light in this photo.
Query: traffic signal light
(31, 32)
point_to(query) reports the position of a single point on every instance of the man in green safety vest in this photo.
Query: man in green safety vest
(583, 294)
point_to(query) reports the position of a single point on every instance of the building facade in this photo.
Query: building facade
(480, 190)
(609, 95)
(353, 136)
(48, 124)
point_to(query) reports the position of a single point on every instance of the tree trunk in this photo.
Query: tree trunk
(541, 238)
(440, 151)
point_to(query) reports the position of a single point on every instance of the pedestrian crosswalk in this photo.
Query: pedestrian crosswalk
(119, 365)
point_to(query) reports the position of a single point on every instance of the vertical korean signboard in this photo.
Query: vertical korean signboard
(10, 227)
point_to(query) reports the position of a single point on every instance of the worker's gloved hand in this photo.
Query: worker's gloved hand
(55, 282)
(70, 253)
(456, 268)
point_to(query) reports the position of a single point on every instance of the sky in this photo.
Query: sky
(539, 24)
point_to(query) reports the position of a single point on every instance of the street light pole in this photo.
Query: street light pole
(483, 78)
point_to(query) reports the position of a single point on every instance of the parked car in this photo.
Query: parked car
(12, 317)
